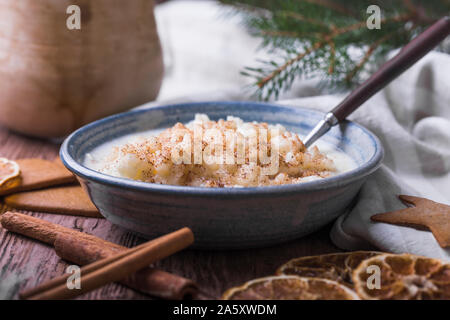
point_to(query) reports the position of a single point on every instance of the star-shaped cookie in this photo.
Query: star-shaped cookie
(422, 214)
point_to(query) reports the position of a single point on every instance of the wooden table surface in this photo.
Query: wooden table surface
(24, 262)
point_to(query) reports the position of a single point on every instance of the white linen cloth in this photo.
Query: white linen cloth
(204, 51)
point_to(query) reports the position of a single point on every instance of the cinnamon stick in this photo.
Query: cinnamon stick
(45, 231)
(150, 281)
(121, 265)
(62, 280)
(81, 248)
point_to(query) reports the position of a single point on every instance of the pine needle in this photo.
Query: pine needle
(314, 37)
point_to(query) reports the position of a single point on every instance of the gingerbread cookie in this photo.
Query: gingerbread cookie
(70, 200)
(425, 214)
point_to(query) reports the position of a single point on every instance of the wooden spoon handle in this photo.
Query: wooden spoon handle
(407, 56)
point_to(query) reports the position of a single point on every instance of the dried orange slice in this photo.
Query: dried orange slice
(290, 288)
(403, 276)
(8, 170)
(335, 266)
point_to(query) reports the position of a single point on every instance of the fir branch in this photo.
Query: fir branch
(366, 58)
(332, 57)
(334, 6)
(326, 39)
(261, 83)
(274, 33)
(301, 17)
(313, 37)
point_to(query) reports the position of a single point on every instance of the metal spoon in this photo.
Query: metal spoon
(407, 56)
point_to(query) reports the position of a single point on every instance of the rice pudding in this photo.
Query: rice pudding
(223, 153)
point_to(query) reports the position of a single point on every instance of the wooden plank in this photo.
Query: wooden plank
(24, 263)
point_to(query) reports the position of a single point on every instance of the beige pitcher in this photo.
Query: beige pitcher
(54, 79)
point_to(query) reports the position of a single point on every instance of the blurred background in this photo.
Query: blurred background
(125, 55)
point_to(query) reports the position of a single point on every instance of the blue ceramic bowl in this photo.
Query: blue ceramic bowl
(222, 217)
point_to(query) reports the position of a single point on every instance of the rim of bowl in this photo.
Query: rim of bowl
(341, 179)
